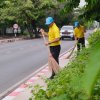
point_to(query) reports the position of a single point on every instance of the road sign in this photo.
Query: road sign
(15, 26)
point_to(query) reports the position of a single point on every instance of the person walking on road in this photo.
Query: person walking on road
(53, 39)
(79, 35)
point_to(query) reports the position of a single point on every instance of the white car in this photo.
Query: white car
(67, 32)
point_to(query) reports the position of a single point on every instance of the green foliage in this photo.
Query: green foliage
(94, 38)
(26, 13)
(38, 92)
(27, 34)
(90, 7)
(96, 90)
(92, 70)
(24, 10)
(63, 82)
(79, 80)
(61, 97)
(88, 24)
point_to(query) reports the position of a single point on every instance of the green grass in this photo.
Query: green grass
(80, 79)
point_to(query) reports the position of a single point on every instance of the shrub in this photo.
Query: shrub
(80, 79)
(94, 38)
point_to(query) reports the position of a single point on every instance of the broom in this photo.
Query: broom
(71, 51)
(53, 65)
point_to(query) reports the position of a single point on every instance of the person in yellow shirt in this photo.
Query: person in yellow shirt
(79, 35)
(53, 39)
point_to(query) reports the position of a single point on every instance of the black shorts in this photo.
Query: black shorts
(55, 51)
(81, 43)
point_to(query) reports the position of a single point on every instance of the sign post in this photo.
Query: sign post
(15, 27)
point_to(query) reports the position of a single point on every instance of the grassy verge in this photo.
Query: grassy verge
(80, 79)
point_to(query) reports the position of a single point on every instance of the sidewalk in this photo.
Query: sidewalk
(10, 40)
(23, 92)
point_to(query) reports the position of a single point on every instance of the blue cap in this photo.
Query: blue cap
(49, 20)
(76, 24)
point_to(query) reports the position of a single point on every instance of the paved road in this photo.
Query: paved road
(20, 59)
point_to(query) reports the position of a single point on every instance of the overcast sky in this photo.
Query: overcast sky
(82, 3)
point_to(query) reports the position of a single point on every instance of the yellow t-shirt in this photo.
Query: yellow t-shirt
(53, 34)
(79, 32)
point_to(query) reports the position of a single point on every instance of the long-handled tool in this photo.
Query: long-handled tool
(53, 65)
(71, 51)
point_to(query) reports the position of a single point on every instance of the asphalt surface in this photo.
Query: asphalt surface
(21, 58)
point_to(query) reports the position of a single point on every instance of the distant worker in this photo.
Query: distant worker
(79, 35)
(53, 39)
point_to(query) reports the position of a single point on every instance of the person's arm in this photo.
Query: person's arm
(55, 40)
(43, 32)
(75, 37)
(75, 34)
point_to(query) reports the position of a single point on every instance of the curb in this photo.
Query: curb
(10, 40)
(23, 82)
(21, 86)
(11, 93)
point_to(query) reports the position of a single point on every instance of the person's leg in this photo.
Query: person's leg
(83, 42)
(55, 51)
(78, 45)
(52, 52)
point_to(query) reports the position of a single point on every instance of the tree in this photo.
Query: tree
(24, 12)
(91, 8)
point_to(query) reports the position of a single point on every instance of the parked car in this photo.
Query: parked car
(67, 32)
